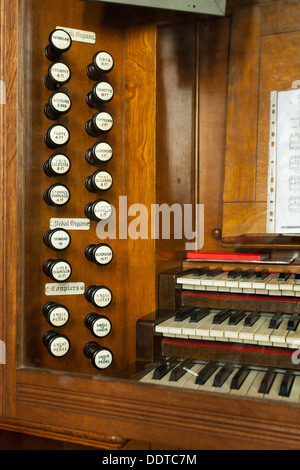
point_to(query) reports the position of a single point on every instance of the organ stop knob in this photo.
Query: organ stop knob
(57, 345)
(101, 357)
(102, 63)
(59, 42)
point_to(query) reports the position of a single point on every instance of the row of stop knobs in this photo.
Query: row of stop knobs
(59, 270)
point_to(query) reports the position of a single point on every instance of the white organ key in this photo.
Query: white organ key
(295, 393)
(275, 388)
(243, 390)
(191, 278)
(264, 332)
(210, 281)
(208, 386)
(233, 282)
(253, 390)
(293, 338)
(148, 377)
(177, 327)
(203, 329)
(279, 335)
(181, 382)
(273, 284)
(232, 331)
(164, 326)
(248, 332)
(262, 283)
(218, 331)
(191, 328)
(247, 284)
(221, 281)
(288, 285)
(190, 382)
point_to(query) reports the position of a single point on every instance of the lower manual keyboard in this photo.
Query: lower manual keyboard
(236, 380)
(250, 327)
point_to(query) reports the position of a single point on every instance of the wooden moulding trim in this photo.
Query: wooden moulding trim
(196, 421)
(65, 435)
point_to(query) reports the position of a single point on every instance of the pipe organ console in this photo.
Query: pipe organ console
(115, 337)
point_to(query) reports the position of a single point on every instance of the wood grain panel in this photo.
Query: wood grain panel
(11, 190)
(241, 139)
(244, 219)
(280, 17)
(140, 174)
(213, 75)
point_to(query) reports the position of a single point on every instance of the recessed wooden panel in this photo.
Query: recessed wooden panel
(111, 35)
(270, 32)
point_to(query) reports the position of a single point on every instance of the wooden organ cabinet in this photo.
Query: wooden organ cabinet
(107, 343)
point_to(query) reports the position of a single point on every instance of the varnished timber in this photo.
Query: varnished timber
(155, 161)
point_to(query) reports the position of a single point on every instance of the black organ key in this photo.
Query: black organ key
(287, 384)
(163, 369)
(223, 375)
(198, 314)
(240, 377)
(293, 322)
(236, 317)
(248, 274)
(180, 370)
(214, 272)
(276, 321)
(221, 317)
(60, 42)
(201, 272)
(234, 274)
(267, 382)
(297, 278)
(252, 318)
(206, 373)
(183, 313)
(261, 275)
(283, 277)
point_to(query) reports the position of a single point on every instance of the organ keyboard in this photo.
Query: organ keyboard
(244, 326)
(242, 281)
(246, 381)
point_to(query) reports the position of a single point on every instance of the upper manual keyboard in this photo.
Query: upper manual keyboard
(238, 281)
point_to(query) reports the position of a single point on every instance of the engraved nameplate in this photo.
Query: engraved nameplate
(65, 288)
(80, 36)
(70, 224)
